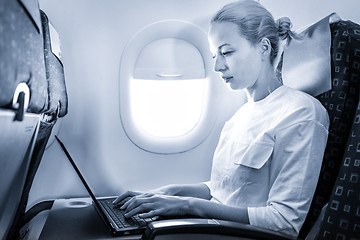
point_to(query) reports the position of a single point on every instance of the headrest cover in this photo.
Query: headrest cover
(306, 62)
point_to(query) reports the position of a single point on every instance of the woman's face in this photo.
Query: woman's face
(236, 59)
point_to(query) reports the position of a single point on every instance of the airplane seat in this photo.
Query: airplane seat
(35, 64)
(341, 219)
(337, 195)
(19, 131)
(57, 108)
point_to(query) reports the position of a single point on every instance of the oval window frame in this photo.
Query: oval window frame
(166, 145)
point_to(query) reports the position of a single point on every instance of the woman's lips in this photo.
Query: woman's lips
(227, 79)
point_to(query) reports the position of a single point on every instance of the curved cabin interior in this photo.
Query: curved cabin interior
(144, 107)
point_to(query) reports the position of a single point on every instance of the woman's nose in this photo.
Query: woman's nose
(219, 65)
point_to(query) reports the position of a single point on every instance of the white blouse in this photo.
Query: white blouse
(268, 159)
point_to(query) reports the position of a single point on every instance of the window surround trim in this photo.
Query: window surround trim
(205, 125)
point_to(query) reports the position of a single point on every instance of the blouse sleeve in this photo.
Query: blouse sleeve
(295, 168)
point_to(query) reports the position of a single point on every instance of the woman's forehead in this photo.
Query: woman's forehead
(223, 28)
(223, 33)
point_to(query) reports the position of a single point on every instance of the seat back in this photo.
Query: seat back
(16, 146)
(22, 53)
(57, 107)
(341, 103)
(342, 216)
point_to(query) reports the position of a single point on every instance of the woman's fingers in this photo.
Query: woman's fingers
(118, 200)
(151, 214)
(137, 201)
(150, 205)
(142, 208)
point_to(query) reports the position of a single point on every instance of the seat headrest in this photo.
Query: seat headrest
(306, 62)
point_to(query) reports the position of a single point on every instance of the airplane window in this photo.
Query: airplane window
(166, 97)
(165, 86)
(167, 108)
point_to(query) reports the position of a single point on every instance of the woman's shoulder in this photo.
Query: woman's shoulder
(304, 105)
(299, 99)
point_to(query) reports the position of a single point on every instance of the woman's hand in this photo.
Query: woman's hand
(123, 198)
(171, 200)
(149, 205)
(129, 194)
(166, 190)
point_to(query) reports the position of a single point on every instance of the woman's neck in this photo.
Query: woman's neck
(266, 84)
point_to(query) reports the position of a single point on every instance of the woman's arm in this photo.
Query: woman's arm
(296, 166)
(180, 200)
(207, 209)
(150, 205)
(198, 190)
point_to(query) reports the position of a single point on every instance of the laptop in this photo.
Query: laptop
(111, 215)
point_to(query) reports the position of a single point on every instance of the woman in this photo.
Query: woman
(268, 159)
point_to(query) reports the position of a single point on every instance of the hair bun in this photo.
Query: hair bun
(284, 25)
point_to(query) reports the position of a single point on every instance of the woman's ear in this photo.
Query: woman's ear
(265, 47)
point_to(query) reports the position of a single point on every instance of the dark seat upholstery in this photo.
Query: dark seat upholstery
(341, 103)
(342, 216)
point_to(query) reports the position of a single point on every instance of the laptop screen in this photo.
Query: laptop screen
(78, 172)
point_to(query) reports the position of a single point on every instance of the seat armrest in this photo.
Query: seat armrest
(209, 226)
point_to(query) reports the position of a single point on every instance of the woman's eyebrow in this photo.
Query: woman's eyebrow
(223, 45)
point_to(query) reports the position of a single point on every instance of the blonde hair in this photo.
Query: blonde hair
(255, 23)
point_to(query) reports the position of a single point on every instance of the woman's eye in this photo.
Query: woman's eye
(226, 53)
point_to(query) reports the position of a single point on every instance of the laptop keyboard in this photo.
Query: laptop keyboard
(118, 215)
